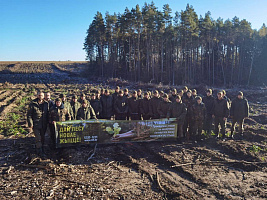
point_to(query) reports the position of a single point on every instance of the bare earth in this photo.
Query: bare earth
(210, 169)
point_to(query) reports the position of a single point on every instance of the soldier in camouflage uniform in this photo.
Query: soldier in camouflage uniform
(58, 114)
(86, 111)
(121, 107)
(238, 112)
(75, 105)
(144, 106)
(163, 106)
(188, 100)
(139, 94)
(220, 113)
(153, 105)
(178, 110)
(66, 103)
(82, 97)
(96, 105)
(198, 117)
(37, 118)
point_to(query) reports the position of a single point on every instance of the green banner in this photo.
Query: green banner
(71, 133)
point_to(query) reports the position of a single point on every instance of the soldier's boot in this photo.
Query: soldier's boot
(232, 135)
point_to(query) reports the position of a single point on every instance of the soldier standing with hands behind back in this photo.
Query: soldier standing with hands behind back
(37, 117)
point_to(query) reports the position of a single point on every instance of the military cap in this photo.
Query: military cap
(93, 94)
(156, 92)
(240, 93)
(185, 88)
(117, 87)
(165, 95)
(189, 91)
(161, 92)
(139, 90)
(126, 90)
(198, 98)
(146, 93)
(120, 92)
(62, 95)
(106, 91)
(174, 90)
(85, 102)
(209, 90)
(178, 97)
(58, 99)
(194, 90)
(82, 95)
(224, 92)
(74, 97)
(134, 92)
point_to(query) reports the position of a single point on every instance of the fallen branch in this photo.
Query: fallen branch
(158, 182)
(33, 166)
(219, 162)
(92, 153)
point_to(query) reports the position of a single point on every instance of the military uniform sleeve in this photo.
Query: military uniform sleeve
(184, 111)
(227, 110)
(92, 112)
(30, 115)
(247, 109)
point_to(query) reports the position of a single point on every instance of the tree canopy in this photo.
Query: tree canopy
(149, 45)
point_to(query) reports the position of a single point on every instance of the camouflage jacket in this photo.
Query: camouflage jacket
(163, 108)
(86, 113)
(198, 112)
(59, 114)
(74, 107)
(37, 114)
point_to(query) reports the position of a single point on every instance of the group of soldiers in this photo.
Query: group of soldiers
(192, 112)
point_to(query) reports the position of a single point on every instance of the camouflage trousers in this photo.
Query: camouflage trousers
(219, 121)
(240, 125)
(208, 123)
(197, 127)
(39, 137)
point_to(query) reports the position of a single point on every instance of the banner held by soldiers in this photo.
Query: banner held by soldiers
(71, 133)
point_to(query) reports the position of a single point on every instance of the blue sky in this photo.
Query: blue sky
(53, 30)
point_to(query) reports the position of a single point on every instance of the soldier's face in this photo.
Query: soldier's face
(189, 94)
(208, 94)
(93, 97)
(146, 96)
(117, 90)
(194, 93)
(180, 94)
(120, 94)
(84, 105)
(239, 96)
(165, 99)
(199, 101)
(125, 93)
(47, 96)
(139, 93)
(134, 95)
(156, 95)
(83, 97)
(40, 96)
(74, 100)
(58, 103)
(220, 96)
(106, 93)
(178, 100)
